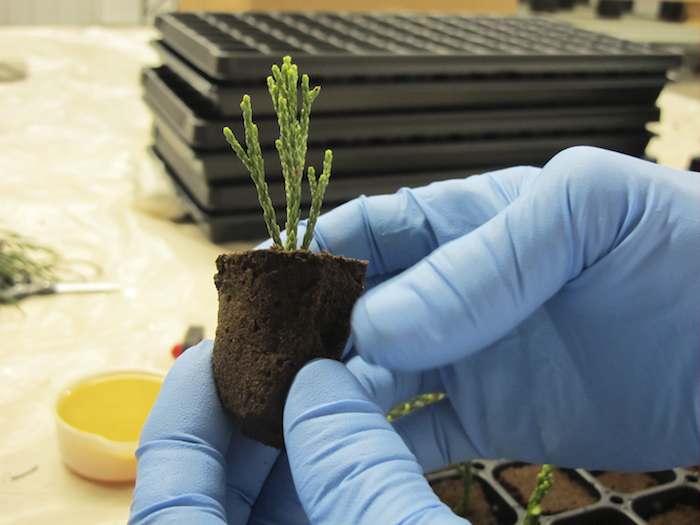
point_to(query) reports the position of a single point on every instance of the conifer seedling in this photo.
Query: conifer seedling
(291, 146)
(465, 474)
(282, 307)
(545, 480)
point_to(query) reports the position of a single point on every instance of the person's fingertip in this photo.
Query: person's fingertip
(188, 403)
(318, 381)
(362, 331)
(197, 354)
(348, 350)
(347, 463)
(386, 325)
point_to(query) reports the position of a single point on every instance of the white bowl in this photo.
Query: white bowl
(99, 419)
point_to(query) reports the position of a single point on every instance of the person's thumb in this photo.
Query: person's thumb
(347, 462)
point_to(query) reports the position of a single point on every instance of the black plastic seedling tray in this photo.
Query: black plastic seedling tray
(237, 46)
(247, 224)
(391, 94)
(234, 198)
(244, 225)
(182, 108)
(222, 167)
(608, 507)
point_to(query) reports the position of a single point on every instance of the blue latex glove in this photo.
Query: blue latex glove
(195, 467)
(558, 309)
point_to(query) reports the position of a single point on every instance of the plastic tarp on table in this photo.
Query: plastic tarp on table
(73, 162)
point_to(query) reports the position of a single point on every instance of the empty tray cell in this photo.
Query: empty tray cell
(570, 491)
(602, 516)
(628, 482)
(174, 102)
(387, 95)
(678, 506)
(235, 46)
(485, 506)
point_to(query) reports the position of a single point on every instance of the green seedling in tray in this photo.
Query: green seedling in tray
(545, 480)
(465, 474)
(463, 469)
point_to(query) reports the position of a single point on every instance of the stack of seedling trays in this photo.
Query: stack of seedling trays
(405, 100)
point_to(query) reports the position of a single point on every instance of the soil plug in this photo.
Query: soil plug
(545, 480)
(279, 308)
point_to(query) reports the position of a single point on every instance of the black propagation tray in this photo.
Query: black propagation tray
(242, 197)
(243, 225)
(239, 46)
(183, 109)
(392, 94)
(247, 224)
(214, 168)
(679, 486)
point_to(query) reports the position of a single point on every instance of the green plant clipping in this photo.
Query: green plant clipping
(545, 480)
(293, 110)
(23, 261)
(465, 474)
(417, 403)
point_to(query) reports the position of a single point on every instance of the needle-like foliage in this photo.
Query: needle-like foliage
(465, 474)
(417, 403)
(23, 261)
(545, 480)
(293, 120)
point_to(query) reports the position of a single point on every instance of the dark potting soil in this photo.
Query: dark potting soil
(450, 492)
(566, 494)
(277, 311)
(678, 515)
(627, 482)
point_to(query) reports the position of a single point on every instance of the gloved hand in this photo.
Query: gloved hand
(557, 308)
(195, 467)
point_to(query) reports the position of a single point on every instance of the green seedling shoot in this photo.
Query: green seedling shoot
(465, 474)
(545, 480)
(291, 145)
(417, 403)
(23, 261)
(464, 469)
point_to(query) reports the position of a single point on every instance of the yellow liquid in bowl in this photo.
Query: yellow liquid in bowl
(114, 406)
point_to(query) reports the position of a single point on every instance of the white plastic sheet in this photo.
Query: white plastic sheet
(74, 173)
